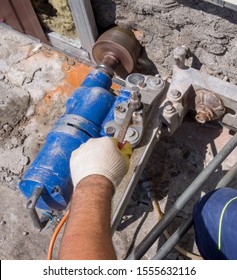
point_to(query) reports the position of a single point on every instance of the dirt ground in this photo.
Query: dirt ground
(33, 94)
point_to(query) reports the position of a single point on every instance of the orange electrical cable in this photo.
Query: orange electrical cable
(160, 214)
(55, 234)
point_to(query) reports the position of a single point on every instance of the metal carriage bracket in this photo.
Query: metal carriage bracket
(184, 87)
(181, 97)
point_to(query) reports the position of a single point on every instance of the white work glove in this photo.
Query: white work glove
(100, 156)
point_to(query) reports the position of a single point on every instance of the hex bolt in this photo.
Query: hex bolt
(131, 133)
(169, 108)
(138, 114)
(180, 55)
(175, 93)
(136, 79)
(135, 92)
(155, 81)
(135, 97)
(120, 109)
(110, 130)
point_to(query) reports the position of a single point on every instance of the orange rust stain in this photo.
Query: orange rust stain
(74, 76)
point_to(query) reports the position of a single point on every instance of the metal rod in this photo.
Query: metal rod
(179, 233)
(84, 20)
(228, 177)
(31, 204)
(173, 240)
(231, 4)
(180, 203)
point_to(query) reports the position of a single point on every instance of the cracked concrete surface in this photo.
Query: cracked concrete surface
(26, 74)
(27, 71)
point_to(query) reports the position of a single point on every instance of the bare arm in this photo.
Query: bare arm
(97, 167)
(87, 234)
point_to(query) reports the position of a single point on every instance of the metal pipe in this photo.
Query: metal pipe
(230, 4)
(173, 240)
(228, 177)
(180, 203)
(179, 233)
(31, 204)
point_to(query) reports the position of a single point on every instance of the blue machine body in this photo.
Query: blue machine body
(85, 112)
(123, 96)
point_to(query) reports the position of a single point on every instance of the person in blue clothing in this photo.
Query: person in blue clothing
(215, 224)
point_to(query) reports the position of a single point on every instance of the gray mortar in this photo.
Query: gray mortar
(208, 30)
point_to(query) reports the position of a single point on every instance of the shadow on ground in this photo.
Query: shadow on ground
(175, 162)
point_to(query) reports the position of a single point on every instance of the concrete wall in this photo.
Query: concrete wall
(208, 30)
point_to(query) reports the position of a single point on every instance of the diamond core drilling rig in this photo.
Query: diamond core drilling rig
(47, 182)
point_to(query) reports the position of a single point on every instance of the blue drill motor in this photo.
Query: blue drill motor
(47, 181)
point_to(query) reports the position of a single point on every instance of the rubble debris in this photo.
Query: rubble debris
(14, 105)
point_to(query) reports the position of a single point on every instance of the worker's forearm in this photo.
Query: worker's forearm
(87, 234)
